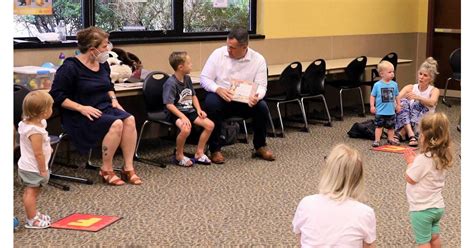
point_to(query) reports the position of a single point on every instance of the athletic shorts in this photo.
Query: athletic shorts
(425, 223)
(191, 116)
(32, 179)
(386, 121)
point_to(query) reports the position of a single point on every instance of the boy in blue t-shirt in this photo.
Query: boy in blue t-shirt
(384, 102)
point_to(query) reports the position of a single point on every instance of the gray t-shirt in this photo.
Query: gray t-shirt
(179, 93)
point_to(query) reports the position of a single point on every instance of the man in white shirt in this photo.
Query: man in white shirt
(236, 61)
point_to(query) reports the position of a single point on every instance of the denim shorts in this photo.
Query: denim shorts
(386, 121)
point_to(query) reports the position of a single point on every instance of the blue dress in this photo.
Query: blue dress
(78, 83)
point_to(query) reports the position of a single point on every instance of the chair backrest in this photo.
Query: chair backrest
(153, 91)
(455, 60)
(313, 77)
(19, 93)
(356, 68)
(392, 58)
(291, 79)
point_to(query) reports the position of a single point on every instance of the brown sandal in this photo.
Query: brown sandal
(110, 178)
(131, 177)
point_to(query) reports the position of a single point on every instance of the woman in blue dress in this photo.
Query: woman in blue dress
(89, 108)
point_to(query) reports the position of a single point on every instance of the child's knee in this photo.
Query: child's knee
(185, 130)
(209, 125)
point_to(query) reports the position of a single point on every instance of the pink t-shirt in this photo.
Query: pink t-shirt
(324, 222)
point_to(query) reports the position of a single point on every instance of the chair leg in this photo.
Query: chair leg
(445, 102)
(327, 112)
(341, 117)
(281, 120)
(305, 129)
(246, 133)
(270, 118)
(137, 156)
(362, 103)
(64, 177)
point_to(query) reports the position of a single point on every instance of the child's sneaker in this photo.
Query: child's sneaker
(376, 144)
(44, 217)
(37, 223)
(16, 224)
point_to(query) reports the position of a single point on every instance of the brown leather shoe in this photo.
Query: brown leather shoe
(217, 157)
(265, 153)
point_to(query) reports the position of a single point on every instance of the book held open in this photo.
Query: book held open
(242, 90)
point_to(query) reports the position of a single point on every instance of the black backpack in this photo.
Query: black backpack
(229, 132)
(363, 130)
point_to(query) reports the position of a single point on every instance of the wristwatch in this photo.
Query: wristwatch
(113, 97)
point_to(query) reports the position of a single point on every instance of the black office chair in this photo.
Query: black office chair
(291, 79)
(354, 73)
(19, 94)
(455, 63)
(155, 109)
(374, 75)
(313, 84)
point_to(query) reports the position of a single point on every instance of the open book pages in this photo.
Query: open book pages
(242, 90)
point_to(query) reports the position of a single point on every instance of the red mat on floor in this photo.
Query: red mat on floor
(392, 148)
(85, 222)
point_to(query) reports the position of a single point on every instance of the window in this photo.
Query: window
(135, 19)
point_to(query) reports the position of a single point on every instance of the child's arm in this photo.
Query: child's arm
(197, 106)
(409, 156)
(174, 110)
(37, 145)
(369, 245)
(372, 104)
(398, 107)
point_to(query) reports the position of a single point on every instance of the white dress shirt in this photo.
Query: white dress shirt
(220, 69)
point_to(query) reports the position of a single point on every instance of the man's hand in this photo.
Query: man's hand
(90, 112)
(253, 100)
(225, 94)
(202, 114)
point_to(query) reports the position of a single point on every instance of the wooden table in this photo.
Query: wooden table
(274, 71)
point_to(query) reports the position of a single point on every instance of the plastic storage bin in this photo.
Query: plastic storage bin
(34, 77)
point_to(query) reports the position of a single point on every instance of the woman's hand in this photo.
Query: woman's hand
(116, 104)
(90, 112)
(411, 96)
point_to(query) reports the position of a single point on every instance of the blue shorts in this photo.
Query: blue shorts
(386, 121)
(425, 223)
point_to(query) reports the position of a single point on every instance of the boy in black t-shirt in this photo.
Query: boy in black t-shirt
(184, 108)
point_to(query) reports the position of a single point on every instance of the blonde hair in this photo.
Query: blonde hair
(430, 65)
(343, 174)
(36, 103)
(90, 37)
(436, 139)
(384, 65)
(177, 58)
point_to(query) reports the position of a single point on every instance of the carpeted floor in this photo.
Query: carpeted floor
(245, 202)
